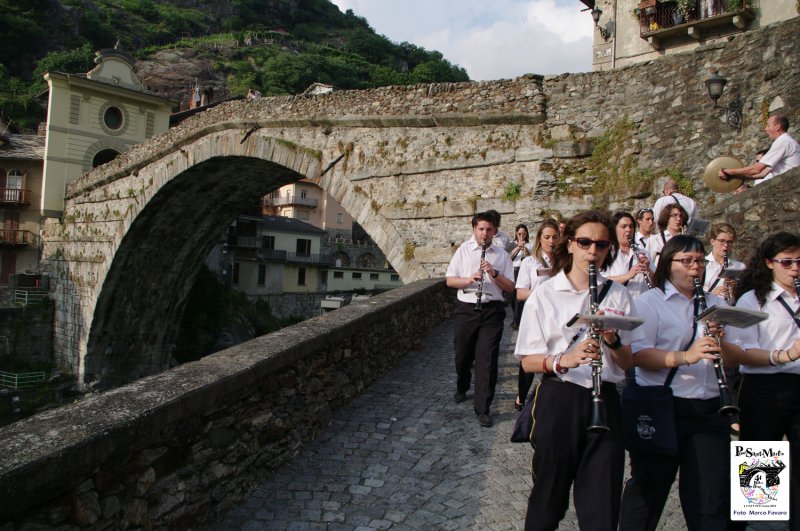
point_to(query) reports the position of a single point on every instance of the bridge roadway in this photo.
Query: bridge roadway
(404, 456)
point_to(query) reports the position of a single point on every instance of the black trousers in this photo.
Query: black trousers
(770, 409)
(703, 459)
(566, 455)
(524, 383)
(477, 341)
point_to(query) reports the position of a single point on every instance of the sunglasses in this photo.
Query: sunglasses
(687, 262)
(585, 243)
(785, 263)
(642, 211)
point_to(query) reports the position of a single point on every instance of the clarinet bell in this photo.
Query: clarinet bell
(598, 422)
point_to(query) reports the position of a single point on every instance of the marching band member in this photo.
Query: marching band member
(646, 223)
(628, 268)
(566, 454)
(722, 238)
(531, 276)
(769, 394)
(671, 340)
(671, 221)
(521, 250)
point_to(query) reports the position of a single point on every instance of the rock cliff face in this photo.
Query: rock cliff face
(173, 73)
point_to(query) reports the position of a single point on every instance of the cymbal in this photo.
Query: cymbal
(711, 174)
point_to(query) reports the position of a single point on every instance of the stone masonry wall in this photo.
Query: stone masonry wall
(176, 449)
(27, 332)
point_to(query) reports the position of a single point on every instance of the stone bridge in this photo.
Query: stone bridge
(410, 164)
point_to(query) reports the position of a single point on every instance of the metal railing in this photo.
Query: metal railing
(21, 380)
(291, 200)
(666, 15)
(16, 196)
(24, 297)
(301, 258)
(18, 237)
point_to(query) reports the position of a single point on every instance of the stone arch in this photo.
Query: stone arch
(341, 259)
(367, 260)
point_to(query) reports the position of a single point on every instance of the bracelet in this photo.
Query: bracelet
(615, 345)
(496, 272)
(685, 359)
(790, 356)
(774, 358)
(557, 364)
(544, 364)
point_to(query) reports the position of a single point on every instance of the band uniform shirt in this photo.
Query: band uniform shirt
(668, 318)
(529, 277)
(543, 327)
(467, 260)
(622, 264)
(783, 155)
(777, 332)
(521, 255)
(641, 239)
(713, 269)
(655, 243)
(676, 198)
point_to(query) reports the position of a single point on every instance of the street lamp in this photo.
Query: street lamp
(715, 85)
(596, 12)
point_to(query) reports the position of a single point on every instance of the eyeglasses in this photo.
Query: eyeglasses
(585, 243)
(687, 262)
(785, 263)
(723, 242)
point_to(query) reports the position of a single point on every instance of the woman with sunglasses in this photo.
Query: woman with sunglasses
(674, 345)
(534, 270)
(565, 453)
(769, 394)
(671, 221)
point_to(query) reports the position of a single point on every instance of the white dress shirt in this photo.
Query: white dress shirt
(668, 317)
(529, 277)
(641, 239)
(622, 264)
(713, 269)
(467, 260)
(783, 155)
(674, 198)
(655, 243)
(543, 326)
(520, 256)
(777, 332)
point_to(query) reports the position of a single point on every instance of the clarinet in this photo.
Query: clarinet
(797, 291)
(639, 252)
(598, 422)
(726, 402)
(725, 264)
(479, 302)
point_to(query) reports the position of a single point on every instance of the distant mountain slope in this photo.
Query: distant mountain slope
(274, 46)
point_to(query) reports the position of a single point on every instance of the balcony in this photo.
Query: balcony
(18, 238)
(15, 196)
(662, 20)
(292, 200)
(276, 255)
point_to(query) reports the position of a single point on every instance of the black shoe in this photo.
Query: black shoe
(514, 327)
(517, 405)
(485, 420)
(459, 397)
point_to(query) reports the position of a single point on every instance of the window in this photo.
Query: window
(113, 118)
(356, 275)
(235, 276)
(301, 276)
(338, 274)
(302, 194)
(103, 156)
(373, 276)
(302, 215)
(395, 278)
(303, 247)
(268, 242)
(14, 179)
(262, 274)
(339, 217)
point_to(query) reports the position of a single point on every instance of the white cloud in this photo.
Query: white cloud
(492, 40)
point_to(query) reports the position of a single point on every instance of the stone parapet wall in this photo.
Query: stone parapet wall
(176, 449)
(769, 207)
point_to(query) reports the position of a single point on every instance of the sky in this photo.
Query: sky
(491, 39)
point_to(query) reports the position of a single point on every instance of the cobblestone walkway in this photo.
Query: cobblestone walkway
(405, 456)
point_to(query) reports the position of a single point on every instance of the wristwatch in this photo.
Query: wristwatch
(496, 272)
(615, 345)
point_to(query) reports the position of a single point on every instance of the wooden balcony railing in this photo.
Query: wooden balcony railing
(15, 196)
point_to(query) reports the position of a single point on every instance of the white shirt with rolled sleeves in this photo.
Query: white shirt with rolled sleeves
(655, 244)
(777, 332)
(622, 264)
(783, 155)
(466, 261)
(543, 327)
(668, 317)
(529, 277)
(713, 270)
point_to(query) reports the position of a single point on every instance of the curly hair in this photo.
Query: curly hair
(562, 259)
(758, 277)
(666, 212)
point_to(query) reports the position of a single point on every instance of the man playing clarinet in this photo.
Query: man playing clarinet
(481, 272)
